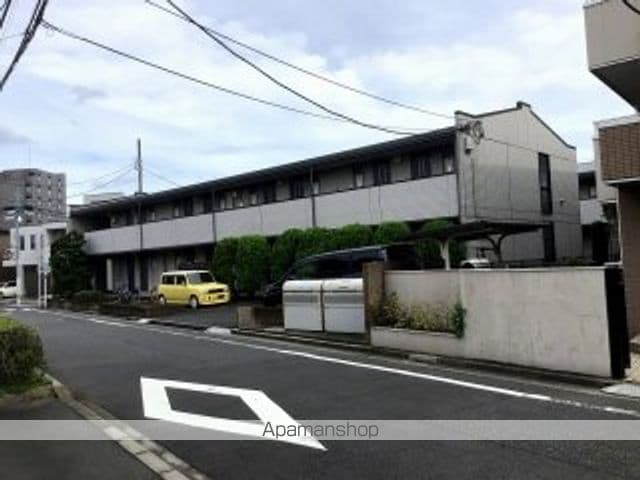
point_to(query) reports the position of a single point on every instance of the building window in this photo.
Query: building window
(382, 173)
(449, 163)
(187, 207)
(299, 187)
(253, 196)
(420, 167)
(177, 210)
(32, 242)
(150, 215)
(549, 242)
(544, 179)
(238, 199)
(358, 176)
(316, 187)
(269, 193)
(207, 203)
(437, 163)
(22, 246)
(221, 201)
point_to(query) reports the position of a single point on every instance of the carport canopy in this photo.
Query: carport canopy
(492, 231)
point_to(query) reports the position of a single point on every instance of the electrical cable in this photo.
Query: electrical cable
(281, 84)
(300, 69)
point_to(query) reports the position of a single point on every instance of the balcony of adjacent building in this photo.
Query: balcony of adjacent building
(613, 45)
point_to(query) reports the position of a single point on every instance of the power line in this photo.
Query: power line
(196, 80)
(300, 69)
(35, 21)
(281, 84)
(5, 10)
(632, 7)
(161, 177)
(102, 185)
(101, 177)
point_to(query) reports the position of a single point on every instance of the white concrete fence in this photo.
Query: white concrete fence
(546, 318)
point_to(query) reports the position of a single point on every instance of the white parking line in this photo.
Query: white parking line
(368, 366)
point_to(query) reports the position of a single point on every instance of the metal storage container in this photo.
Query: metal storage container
(302, 305)
(344, 305)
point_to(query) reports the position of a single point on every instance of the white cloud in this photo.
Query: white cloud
(192, 133)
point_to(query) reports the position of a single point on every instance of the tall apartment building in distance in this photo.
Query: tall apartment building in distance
(521, 171)
(613, 50)
(43, 193)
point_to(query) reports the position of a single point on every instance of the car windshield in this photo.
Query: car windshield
(200, 277)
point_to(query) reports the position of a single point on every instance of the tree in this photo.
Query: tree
(252, 264)
(69, 265)
(429, 250)
(284, 251)
(389, 232)
(351, 236)
(314, 241)
(224, 258)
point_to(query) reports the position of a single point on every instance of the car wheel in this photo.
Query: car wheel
(193, 302)
(162, 300)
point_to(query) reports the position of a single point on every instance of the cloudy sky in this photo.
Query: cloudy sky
(72, 108)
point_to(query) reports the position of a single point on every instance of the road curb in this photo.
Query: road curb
(460, 363)
(154, 456)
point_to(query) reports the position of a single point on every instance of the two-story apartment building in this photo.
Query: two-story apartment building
(613, 50)
(521, 171)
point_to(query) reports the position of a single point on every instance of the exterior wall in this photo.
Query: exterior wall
(178, 232)
(499, 181)
(591, 211)
(412, 200)
(629, 204)
(512, 317)
(44, 192)
(620, 151)
(268, 219)
(33, 256)
(113, 240)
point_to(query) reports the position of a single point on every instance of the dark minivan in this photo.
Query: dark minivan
(342, 264)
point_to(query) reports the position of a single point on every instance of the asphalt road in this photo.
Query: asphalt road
(103, 360)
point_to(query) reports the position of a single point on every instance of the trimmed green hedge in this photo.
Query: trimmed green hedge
(20, 352)
(389, 232)
(224, 259)
(351, 236)
(284, 251)
(314, 241)
(252, 264)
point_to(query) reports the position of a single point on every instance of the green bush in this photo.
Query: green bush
(429, 250)
(252, 264)
(351, 236)
(314, 241)
(87, 296)
(224, 258)
(69, 265)
(21, 353)
(389, 232)
(284, 251)
(434, 318)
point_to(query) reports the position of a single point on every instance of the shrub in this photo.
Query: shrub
(314, 241)
(21, 352)
(351, 236)
(87, 296)
(252, 264)
(69, 265)
(389, 232)
(284, 251)
(429, 250)
(224, 258)
(435, 318)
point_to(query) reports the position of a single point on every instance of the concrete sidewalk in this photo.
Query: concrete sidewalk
(36, 460)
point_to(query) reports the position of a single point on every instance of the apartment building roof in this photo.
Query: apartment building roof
(433, 138)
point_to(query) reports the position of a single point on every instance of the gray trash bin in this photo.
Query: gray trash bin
(302, 305)
(344, 305)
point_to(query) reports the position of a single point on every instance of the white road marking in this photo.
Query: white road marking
(626, 389)
(156, 405)
(369, 366)
(218, 331)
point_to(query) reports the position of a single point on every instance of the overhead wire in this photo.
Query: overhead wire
(280, 83)
(206, 83)
(306, 71)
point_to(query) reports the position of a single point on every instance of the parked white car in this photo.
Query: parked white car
(475, 263)
(8, 289)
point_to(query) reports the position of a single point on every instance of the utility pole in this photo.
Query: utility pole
(139, 168)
